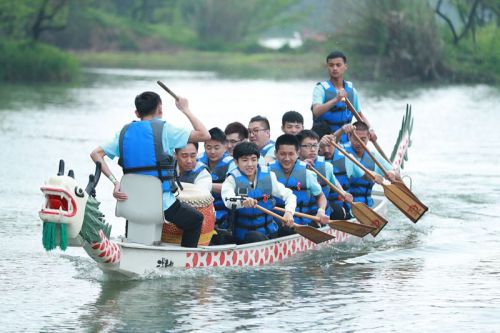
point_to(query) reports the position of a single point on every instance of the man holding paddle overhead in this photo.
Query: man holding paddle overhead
(328, 105)
(146, 147)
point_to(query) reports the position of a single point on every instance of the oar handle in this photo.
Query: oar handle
(161, 84)
(307, 216)
(377, 162)
(358, 118)
(273, 214)
(333, 187)
(355, 161)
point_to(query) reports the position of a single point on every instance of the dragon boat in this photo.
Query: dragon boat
(71, 217)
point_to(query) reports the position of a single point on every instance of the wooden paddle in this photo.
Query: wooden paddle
(399, 184)
(161, 84)
(315, 235)
(355, 229)
(400, 198)
(362, 212)
(358, 118)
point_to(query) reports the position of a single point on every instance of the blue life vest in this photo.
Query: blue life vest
(320, 165)
(340, 172)
(141, 152)
(190, 176)
(219, 173)
(251, 218)
(339, 114)
(360, 188)
(297, 182)
(266, 148)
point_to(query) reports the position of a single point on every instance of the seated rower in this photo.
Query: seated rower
(361, 188)
(308, 152)
(258, 186)
(294, 175)
(190, 170)
(259, 132)
(292, 122)
(217, 160)
(235, 133)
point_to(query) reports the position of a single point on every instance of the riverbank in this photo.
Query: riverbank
(226, 64)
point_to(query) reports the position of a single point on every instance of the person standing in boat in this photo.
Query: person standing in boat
(292, 122)
(361, 187)
(235, 133)
(217, 160)
(190, 170)
(308, 152)
(327, 106)
(252, 184)
(293, 173)
(147, 147)
(259, 132)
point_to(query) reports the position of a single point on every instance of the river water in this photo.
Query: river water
(441, 274)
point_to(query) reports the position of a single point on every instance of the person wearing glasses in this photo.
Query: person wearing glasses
(260, 133)
(292, 122)
(308, 152)
(217, 160)
(235, 132)
(294, 174)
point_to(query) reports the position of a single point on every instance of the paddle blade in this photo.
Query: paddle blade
(315, 235)
(405, 188)
(369, 217)
(413, 209)
(355, 229)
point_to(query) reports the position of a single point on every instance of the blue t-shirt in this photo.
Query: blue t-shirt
(173, 137)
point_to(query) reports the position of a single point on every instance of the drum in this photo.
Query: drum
(202, 201)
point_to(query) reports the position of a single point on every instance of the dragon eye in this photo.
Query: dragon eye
(79, 192)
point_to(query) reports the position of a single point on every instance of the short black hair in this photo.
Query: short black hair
(292, 117)
(287, 139)
(336, 54)
(321, 129)
(262, 119)
(146, 103)
(360, 126)
(307, 134)
(195, 144)
(216, 134)
(237, 127)
(245, 149)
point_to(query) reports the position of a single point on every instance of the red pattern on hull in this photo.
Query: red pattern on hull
(256, 257)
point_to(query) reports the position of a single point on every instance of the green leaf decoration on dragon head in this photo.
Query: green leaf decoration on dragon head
(70, 213)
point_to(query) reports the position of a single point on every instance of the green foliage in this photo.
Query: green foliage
(29, 61)
(476, 59)
(397, 39)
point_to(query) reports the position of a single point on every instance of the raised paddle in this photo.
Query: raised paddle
(355, 229)
(404, 202)
(313, 234)
(362, 212)
(358, 118)
(161, 84)
(421, 207)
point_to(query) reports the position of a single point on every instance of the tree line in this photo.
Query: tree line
(387, 39)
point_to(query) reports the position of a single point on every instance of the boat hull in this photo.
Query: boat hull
(138, 259)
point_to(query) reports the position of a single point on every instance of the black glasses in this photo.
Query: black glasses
(310, 146)
(255, 131)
